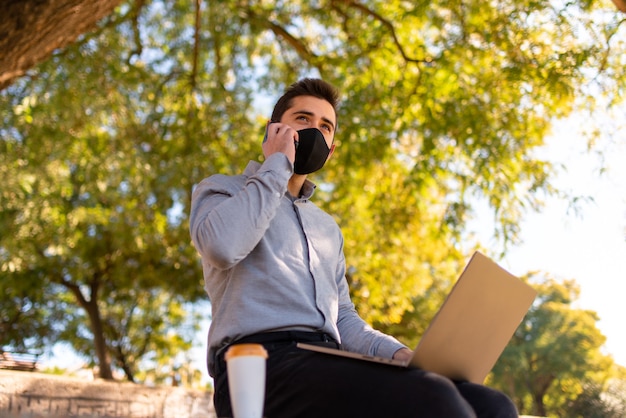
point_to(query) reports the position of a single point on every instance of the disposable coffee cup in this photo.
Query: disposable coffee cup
(245, 365)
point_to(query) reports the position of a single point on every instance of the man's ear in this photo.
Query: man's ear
(332, 149)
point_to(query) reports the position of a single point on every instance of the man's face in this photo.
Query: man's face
(311, 112)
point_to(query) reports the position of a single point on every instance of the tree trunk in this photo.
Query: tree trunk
(95, 320)
(540, 407)
(30, 30)
(102, 353)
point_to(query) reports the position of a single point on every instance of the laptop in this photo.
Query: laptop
(472, 328)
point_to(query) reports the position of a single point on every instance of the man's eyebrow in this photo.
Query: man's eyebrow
(309, 113)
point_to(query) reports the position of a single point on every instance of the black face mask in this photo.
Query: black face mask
(311, 151)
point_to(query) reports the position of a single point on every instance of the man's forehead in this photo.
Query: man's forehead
(313, 106)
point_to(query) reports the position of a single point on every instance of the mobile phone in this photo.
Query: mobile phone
(266, 128)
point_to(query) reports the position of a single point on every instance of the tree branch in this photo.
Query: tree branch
(621, 5)
(31, 30)
(196, 46)
(387, 24)
(136, 32)
(300, 47)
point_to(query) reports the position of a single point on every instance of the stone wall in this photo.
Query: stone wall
(35, 395)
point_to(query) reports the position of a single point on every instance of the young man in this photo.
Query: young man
(274, 270)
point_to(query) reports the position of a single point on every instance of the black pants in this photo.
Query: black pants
(301, 383)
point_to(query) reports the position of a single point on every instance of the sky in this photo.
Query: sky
(588, 246)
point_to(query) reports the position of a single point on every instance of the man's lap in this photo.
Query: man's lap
(302, 383)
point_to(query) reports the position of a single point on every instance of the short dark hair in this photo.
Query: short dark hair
(306, 87)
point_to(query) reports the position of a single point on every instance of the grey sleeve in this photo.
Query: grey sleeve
(229, 215)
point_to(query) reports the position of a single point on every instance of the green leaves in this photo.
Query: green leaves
(554, 352)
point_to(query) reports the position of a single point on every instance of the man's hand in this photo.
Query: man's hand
(280, 138)
(403, 354)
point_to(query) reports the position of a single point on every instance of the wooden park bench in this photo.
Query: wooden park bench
(26, 362)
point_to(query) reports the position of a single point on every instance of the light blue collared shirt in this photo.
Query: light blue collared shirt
(272, 262)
